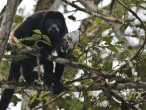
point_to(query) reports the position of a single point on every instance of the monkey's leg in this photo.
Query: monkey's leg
(14, 74)
(48, 72)
(58, 86)
(27, 70)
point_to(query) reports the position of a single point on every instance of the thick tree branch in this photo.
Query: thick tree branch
(86, 87)
(6, 24)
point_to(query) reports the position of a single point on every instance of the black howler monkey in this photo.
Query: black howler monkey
(52, 24)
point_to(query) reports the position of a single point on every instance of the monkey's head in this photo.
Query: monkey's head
(54, 26)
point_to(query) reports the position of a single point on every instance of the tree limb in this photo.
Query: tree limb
(95, 14)
(85, 87)
(6, 24)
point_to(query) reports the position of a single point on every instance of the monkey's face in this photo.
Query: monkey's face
(53, 27)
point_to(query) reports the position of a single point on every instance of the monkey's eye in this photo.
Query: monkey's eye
(49, 21)
(57, 22)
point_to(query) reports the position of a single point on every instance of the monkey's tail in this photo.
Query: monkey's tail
(14, 74)
(6, 98)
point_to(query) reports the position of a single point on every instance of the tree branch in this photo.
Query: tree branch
(95, 14)
(85, 87)
(7, 21)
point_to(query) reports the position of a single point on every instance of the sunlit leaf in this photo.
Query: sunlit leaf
(37, 31)
(46, 38)
(129, 20)
(107, 39)
(121, 41)
(33, 38)
(98, 20)
(112, 48)
(118, 46)
(129, 50)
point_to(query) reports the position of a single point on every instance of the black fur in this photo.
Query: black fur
(52, 24)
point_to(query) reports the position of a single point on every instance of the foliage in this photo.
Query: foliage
(113, 42)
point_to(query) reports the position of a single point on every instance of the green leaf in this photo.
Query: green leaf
(47, 39)
(107, 39)
(4, 67)
(61, 102)
(8, 56)
(123, 27)
(108, 65)
(92, 61)
(105, 26)
(72, 17)
(118, 46)
(112, 102)
(45, 42)
(18, 19)
(112, 48)
(129, 20)
(85, 40)
(15, 100)
(43, 95)
(89, 109)
(98, 20)
(37, 31)
(129, 72)
(32, 38)
(143, 105)
(102, 97)
(121, 41)
(129, 50)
